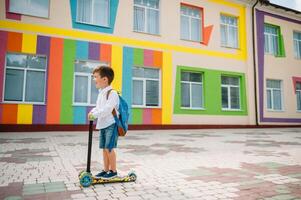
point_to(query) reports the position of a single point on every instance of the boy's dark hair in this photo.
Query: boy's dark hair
(105, 71)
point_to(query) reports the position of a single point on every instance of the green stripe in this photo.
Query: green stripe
(67, 83)
(137, 115)
(138, 57)
(211, 92)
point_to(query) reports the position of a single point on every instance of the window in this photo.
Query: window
(229, 31)
(274, 95)
(271, 39)
(191, 23)
(38, 8)
(85, 92)
(146, 87)
(94, 12)
(146, 16)
(298, 93)
(25, 77)
(191, 90)
(297, 45)
(230, 93)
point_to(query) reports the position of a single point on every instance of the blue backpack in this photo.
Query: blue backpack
(122, 120)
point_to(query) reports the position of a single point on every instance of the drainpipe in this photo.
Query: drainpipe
(254, 61)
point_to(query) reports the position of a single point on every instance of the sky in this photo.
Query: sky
(293, 4)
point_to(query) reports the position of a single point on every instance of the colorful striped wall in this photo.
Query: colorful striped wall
(61, 54)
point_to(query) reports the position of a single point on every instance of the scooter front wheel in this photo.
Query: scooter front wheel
(86, 179)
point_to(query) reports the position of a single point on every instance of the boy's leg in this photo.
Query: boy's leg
(112, 159)
(106, 160)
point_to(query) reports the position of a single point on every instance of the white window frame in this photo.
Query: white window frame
(298, 91)
(190, 19)
(228, 45)
(190, 86)
(24, 79)
(92, 14)
(270, 38)
(90, 78)
(28, 13)
(144, 89)
(297, 52)
(229, 86)
(272, 94)
(146, 18)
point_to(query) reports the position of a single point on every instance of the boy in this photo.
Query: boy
(103, 77)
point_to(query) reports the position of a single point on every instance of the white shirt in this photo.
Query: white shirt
(104, 107)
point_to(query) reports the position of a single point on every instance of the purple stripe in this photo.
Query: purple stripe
(43, 48)
(94, 49)
(89, 108)
(260, 57)
(39, 114)
(3, 44)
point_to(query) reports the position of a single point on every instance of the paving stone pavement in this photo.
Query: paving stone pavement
(222, 164)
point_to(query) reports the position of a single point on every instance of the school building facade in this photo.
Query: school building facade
(177, 63)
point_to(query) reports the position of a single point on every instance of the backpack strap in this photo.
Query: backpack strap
(113, 111)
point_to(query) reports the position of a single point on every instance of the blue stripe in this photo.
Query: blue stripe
(82, 50)
(79, 115)
(128, 62)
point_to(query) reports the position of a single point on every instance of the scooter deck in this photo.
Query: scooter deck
(117, 179)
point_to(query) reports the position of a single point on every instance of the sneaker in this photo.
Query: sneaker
(109, 175)
(101, 174)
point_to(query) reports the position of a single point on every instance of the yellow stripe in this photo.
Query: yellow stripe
(24, 114)
(243, 33)
(167, 88)
(116, 63)
(29, 43)
(114, 39)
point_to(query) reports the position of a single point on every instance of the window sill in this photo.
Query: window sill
(21, 102)
(82, 104)
(85, 23)
(194, 41)
(228, 47)
(134, 106)
(275, 110)
(151, 34)
(237, 110)
(186, 108)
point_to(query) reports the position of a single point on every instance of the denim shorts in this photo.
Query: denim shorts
(105, 136)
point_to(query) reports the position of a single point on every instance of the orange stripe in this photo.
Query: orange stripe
(156, 116)
(14, 42)
(54, 92)
(207, 34)
(105, 53)
(157, 59)
(9, 113)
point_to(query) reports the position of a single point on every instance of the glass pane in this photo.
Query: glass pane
(13, 85)
(196, 95)
(277, 99)
(195, 29)
(274, 84)
(38, 8)
(185, 28)
(266, 44)
(137, 92)
(139, 19)
(81, 89)
(298, 86)
(16, 60)
(230, 80)
(152, 93)
(35, 86)
(269, 99)
(101, 12)
(138, 72)
(84, 11)
(185, 76)
(225, 98)
(151, 73)
(37, 62)
(152, 21)
(233, 40)
(234, 92)
(196, 77)
(224, 35)
(185, 95)
(299, 100)
(87, 67)
(94, 92)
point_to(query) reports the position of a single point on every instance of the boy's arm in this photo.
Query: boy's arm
(107, 109)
